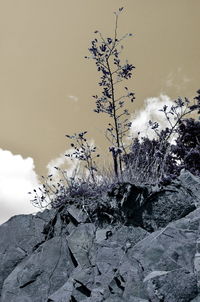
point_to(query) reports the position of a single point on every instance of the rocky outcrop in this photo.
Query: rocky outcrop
(61, 255)
(153, 207)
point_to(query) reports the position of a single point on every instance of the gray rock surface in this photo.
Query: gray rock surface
(58, 256)
(191, 183)
(154, 207)
(178, 285)
(18, 237)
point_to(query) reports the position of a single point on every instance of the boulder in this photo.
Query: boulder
(40, 274)
(18, 238)
(178, 285)
(153, 207)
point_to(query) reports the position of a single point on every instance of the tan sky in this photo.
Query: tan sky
(46, 84)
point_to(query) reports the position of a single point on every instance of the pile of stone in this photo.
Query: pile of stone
(59, 256)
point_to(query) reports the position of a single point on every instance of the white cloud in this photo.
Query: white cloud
(140, 122)
(176, 79)
(17, 178)
(73, 98)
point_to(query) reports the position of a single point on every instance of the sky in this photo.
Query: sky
(46, 84)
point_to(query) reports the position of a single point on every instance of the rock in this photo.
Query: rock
(154, 274)
(80, 242)
(76, 215)
(151, 207)
(39, 274)
(170, 248)
(122, 236)
(191, 183)
(19, 236)
(179, 285)
(57, 256)
(77, 286)
(63, 294)
(169, 204)
(197, 299)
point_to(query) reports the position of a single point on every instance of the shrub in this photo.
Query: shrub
(187, 148)
(160, 161)
(145, 161)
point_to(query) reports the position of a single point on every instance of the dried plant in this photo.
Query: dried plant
(106, 54)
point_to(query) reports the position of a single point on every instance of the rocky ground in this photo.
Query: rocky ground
(62, 255)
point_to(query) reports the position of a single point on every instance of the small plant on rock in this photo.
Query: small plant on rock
(83, 151)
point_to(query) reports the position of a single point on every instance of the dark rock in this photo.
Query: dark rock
(169, 204)
(153, 207)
